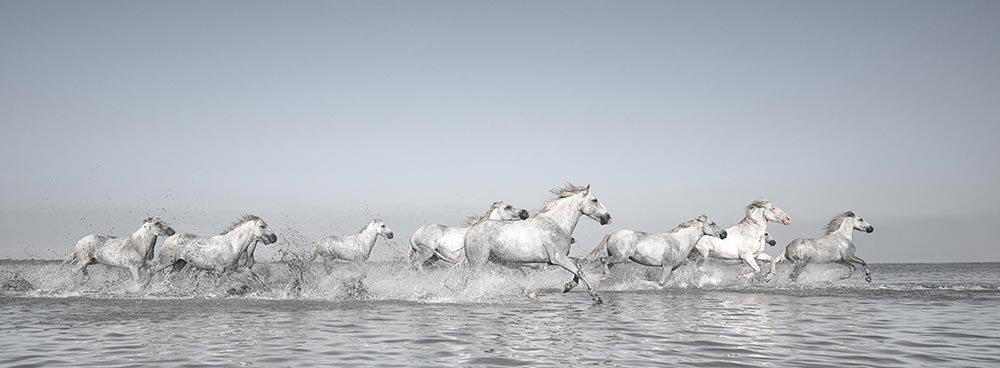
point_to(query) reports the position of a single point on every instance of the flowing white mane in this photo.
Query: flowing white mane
(369, 224)
(246, 218)
(837, 220)
(567, 190)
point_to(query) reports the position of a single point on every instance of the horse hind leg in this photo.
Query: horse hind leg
(797, 270)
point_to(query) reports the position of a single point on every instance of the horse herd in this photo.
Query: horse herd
(503, 234)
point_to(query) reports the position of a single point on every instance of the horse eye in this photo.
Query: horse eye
(594, 200)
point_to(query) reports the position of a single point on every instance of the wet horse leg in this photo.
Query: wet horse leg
(568, 264)
(750, 261)
(420, 256)
(868, 274)
(797, 270)
(764, 257)
(850, 269)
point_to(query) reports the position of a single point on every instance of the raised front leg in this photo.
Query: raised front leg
(868, 274)
(764, 257)
(850, 269)
(566, 263)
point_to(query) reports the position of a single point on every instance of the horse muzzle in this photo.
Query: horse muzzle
(870, 229)
(772, 242)
(269, 239)
(523, 215)
(786, 221)
(606, 219)
(723, 235)
(170, 232)
(389, 236)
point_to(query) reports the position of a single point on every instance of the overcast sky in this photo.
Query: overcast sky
(320, 115)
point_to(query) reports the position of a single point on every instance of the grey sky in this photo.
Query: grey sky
(319, 115)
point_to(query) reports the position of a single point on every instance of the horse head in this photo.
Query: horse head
(769, 240)
(859, 223)
(591, 207)
(710, 228)
(380, 228)
(157, 227)
(507, 212)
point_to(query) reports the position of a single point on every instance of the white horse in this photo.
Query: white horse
(445, 243)
(130, 252)
(837, 246)
(220, 253)
(746, 239)
(668, 250)
(354, 248)
(542, 239)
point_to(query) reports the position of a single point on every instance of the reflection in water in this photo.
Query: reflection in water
(407, 319)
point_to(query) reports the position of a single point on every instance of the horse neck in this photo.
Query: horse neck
(239, 239)
(492, 214)
(754, 223)
(141, 240)
(564, 214)
(691, 234)
(844, 231)
(367, 238)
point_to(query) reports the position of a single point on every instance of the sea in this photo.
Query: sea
(388, 314)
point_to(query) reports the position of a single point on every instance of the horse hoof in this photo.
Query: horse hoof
(597, 299)
(568, 287)
(869, 279)
(769, 277)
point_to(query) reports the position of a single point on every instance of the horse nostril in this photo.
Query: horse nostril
(524, 214)
(723, 234)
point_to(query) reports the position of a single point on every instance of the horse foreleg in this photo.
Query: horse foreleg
(868, 274)
(764, 257)
(665, 273)
(563, 261)
(750, 261)
(850, 268)
(135, 273)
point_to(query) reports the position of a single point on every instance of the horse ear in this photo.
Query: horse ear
(587, 191)
(850, 213)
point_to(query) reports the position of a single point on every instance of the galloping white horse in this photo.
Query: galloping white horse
(130, 252)
(355, 248)
(446, 243)
(220, 253)
(542, 239)
(667, 250)
(836, 246)
(746, 239)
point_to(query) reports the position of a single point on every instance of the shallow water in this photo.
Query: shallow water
(387, 315)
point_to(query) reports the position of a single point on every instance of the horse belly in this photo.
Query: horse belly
(520, 253)
(648, 253)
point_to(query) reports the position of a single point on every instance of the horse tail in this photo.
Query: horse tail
(72, 258)
(601, 247)
(781, 257)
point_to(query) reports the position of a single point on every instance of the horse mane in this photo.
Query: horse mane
(567, 190)
(368, 224)
(473, 219)
(760, 203)
(834, 223)
(683, 225)
(246, 218)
